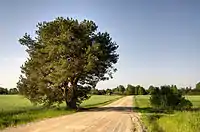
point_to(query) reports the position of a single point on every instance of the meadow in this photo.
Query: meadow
(176, 121)
(15, 109)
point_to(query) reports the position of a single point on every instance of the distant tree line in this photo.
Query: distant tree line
(183, 91)
(139, 90)
(191, 91)
(5, 91)
(121, 90)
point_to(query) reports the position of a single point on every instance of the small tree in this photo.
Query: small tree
(116, 91)
(136, 90)
(3, 90)
(151, 89)
(121, 89)
(130, 90)
(102, 92)
(174, 89)
(141, 91)
(13, 91)
(108, 91)
(155, 97)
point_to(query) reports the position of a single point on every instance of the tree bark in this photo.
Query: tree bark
(71, 98)
(71, 104)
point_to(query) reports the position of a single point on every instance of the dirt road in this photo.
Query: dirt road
(115, 117)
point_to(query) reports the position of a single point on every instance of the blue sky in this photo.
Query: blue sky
(159, 39)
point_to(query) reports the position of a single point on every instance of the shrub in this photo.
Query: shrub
(168, 97)
(184, 104)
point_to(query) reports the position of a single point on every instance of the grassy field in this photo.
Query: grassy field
(178, 121)
(15, 109)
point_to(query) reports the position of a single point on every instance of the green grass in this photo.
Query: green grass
(99, 100)
(179, 121)
(141, 101)
(14, 102)
(15, 109)
(194, 99)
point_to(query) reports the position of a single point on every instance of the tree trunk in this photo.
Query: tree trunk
(71, 104)
(71, 98)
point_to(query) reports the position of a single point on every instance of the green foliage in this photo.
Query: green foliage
(13, 91)
(8, 91)
(151, 89)
(108, 91)
(120, 90)
(66, 59)
(135, 90)
(141, 91)
(3, 90)
(102, 92)
(174, 89)
(184, 104)
(168, 97)
(130, 90)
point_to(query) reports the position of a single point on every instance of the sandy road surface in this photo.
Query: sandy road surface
(115, 117)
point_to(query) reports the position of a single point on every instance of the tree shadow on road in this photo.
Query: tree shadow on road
(107, 109)
(125, 109)
(133, 109)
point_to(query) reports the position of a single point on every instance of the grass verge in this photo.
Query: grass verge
(163, 121)
(16, 110)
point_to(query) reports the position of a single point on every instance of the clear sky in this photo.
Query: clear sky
(159, 39)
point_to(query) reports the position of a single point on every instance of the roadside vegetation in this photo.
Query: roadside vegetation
(15, 109)
(156, 120)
